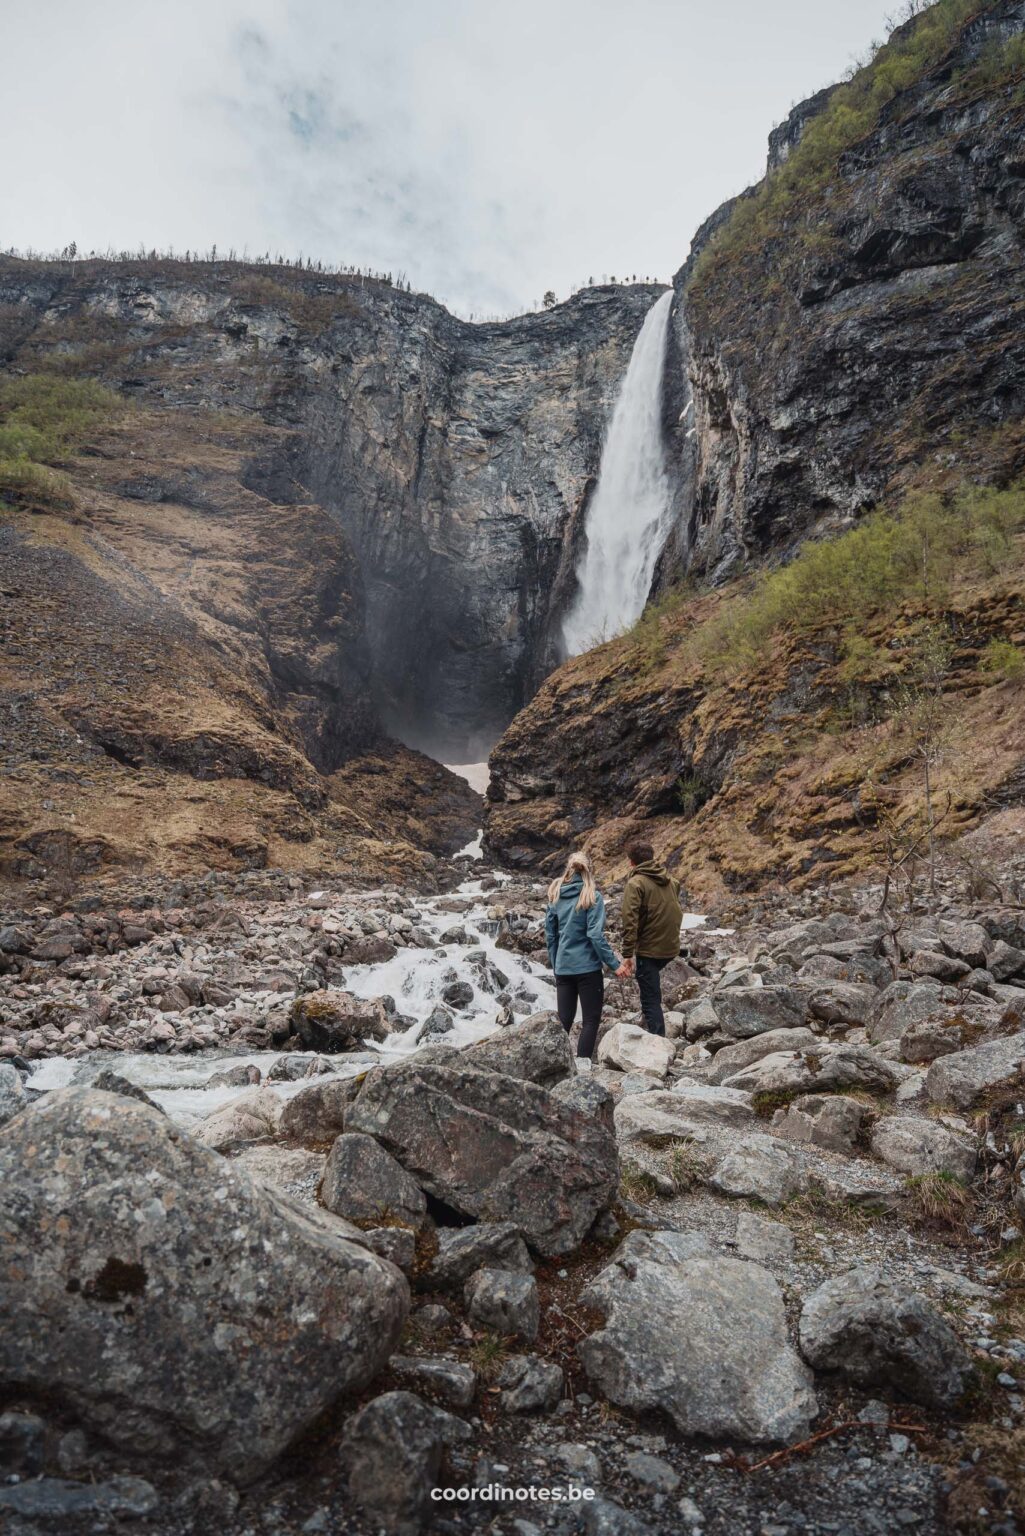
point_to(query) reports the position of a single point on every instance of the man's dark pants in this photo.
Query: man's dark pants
(649, 984)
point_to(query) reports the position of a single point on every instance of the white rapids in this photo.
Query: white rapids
(627, 520)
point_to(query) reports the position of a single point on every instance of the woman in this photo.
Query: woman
(577, 949)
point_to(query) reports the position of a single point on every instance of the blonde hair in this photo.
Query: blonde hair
(576, 864)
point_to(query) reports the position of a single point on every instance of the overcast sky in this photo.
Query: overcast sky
(488, 149)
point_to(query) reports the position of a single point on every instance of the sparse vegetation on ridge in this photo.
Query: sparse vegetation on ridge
(44, 419)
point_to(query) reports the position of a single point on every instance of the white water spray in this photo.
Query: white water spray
(627, 520)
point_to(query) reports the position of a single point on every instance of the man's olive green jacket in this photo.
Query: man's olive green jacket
(652, 914)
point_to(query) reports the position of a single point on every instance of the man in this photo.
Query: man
(651, 918)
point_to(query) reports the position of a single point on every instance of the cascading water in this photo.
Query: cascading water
(627, 518)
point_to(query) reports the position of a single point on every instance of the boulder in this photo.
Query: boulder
(337, 1021)
(969, 1078)
(926, 962)
(256, 1113)
(823, 1120)
(504, 1301)
(917, 1146)
(112, 1082)
(364, 1183)
(316, 1114)
(168, 1301)
(464, 1250)
(632, 1049)
(746, 1011)
(1005, 961)
(824, 1069)
(586, 1094)
(529, 1385)
(703, 1340)
(536, 1050)
(875, 1332)
(663, 1247)
(13, 1098)
(760, 1168)
(838, 1003)
(964, 940)
(392, 1451)
(902, 1004)
(760, 1239)
(930, 1039)
(493, 1147)
(653, 1117)
(734, 1058)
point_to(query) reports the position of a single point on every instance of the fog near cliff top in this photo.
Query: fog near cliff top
(488, 151)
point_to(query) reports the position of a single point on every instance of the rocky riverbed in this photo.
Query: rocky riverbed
(306, 1212)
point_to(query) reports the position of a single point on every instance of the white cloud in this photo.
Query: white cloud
(489, 150)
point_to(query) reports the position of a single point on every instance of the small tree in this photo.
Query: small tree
(549, 300)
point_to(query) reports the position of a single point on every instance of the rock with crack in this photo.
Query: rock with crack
(537, 1050)
(654, 1117)
(365, 1184)
(632, 1049)
(970, 1078)
(761, 1239)
(464, 1250)
(873, 1331)
(584, 1093)
(840, 1003)
(118, 1231)
(494, 1148)
(824, 1069)
(504, 1301)
(902, 1004)
(703, 1340)
(746, 1011)
(529, 1385)
(760, 1168)
(392, 1451)
(734, 1058)
(823, 1120)
(917, 1146)
(337, 1021)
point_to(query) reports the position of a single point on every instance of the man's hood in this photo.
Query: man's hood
(653, 870)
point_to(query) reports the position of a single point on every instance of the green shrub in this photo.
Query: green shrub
(33, 485)
(1004, 660)
(54, 415)
(889, 559)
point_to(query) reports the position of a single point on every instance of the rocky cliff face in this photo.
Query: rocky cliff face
(457, 459)
(867, 333)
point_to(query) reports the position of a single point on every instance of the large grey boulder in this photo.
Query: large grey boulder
(917, 1146)
(630, 1048)
(875, 1332)
(967, 1078)
(966, 941)
(902, 1004)
(317, 1114)
(364, 1183)
(823, 1069)
(703, 1340)
(587, 1095)
(760, 1168)
(13, 1098)
(464, 1250)
(840, 1003)
(338, 1021)
(392, 1451)
(164, 1298)
(654, 1117)
(538, 1050)
(746, 1011)
(494, 1148)
(734, 1058)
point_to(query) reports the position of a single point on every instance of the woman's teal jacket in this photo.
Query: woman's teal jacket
(576, 939)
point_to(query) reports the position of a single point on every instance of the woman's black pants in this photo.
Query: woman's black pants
(590, 989)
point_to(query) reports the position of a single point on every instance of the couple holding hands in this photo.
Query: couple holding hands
(577, 947)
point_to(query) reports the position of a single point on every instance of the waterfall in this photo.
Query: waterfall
(627, 517)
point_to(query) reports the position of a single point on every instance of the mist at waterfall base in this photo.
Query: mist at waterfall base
(627, 520)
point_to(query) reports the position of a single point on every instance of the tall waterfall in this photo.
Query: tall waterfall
(627, 518)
